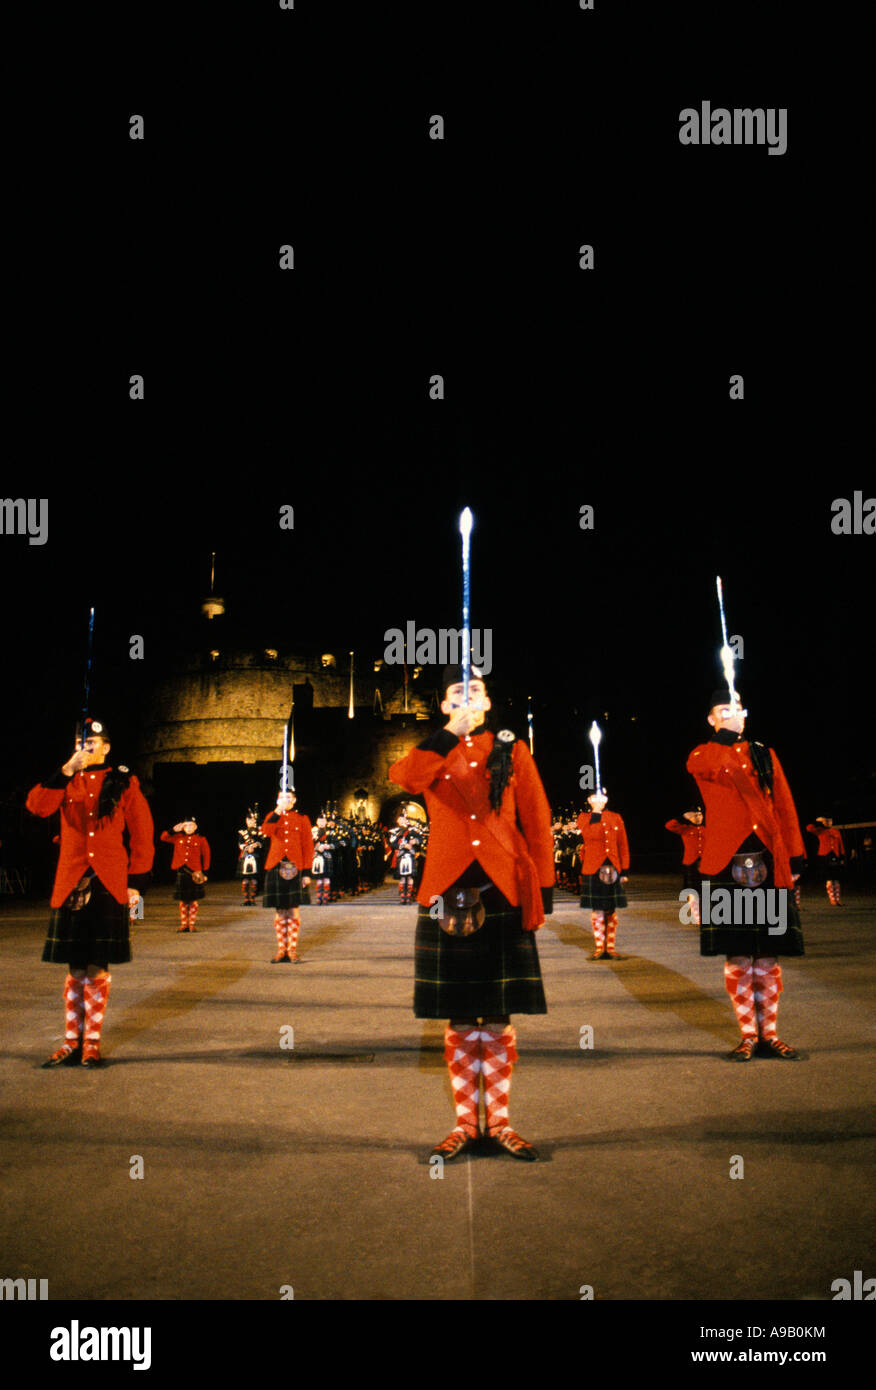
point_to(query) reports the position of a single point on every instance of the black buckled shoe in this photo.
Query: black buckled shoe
(517, 1147)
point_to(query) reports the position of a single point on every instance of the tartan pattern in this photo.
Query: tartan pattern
(185, 889)
(183, 917)
(610, 932)
(98, 934)
(597, 923)
(602, 897)
(767, 988)
(283, 893)
(96, 994)
(74, 1011)
(753, 940)
(193, 912)
(833, 891)
(293, 928)
(281, 928)
(498, 1055)
(462, 1052)
(494, 971)
(739, 984)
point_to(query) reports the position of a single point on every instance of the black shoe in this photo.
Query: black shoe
(456, 1143)
(773, 1047)
(744, 1051)
(517, 1147)
(279, 960)
(64, 1057)
(92, 1062)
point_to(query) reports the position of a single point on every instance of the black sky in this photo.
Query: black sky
(563, 387)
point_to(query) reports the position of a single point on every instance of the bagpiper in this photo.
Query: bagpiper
(250, 858)
(486, 886)
(405, 844)
(830, 856)
(191, 860)
(752, 841)
(97, 880)
(325, 857)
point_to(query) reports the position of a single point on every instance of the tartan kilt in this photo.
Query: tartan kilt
(494, 971)
(602, 897)
(827, 866)
(99, 933)
(185, 889)
(283, 893)
(750, 940)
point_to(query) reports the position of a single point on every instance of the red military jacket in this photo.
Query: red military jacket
(89, 843)
(830, 841)
(607, 839)
(691, 837)
(291, 837)
(189, 851)
(464, 827)
(736, 806)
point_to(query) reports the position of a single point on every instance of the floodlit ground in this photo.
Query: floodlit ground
(267, 1166)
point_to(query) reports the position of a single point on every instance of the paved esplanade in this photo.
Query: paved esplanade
(267, 1166)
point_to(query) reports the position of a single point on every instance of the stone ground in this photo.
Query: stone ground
(307, 1167)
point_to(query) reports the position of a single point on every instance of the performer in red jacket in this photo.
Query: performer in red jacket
(96, 882)
(752, 836)
(605, 858)
(691, 831)
(830, 858)
(290, 856)
(191, 859)
(486, 886)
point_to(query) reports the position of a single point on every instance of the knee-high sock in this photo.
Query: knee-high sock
(293, 926)
(610, 931)
(694, 904)
(183, 916)
(193, 912)
(95, 995)
(767, 988)
(498, 1055)
(833, 891)
(597, 923)
(281, 928)
(739, 984)
(74, 1011)
(462, 1053)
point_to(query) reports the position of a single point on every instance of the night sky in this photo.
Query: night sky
(562, 387)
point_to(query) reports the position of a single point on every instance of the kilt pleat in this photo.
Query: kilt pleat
(740, 939)
(100, 932)
(284, 892)
(602, 897)
(495, 971)
(185, 889)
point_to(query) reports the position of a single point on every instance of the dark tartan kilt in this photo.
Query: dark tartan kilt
(495, 971)
(827, 866)
(284, 892)
(98, 934)
(602, 897)
(691, 877)
(185, 889)
(750, 940)
(256, 878)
